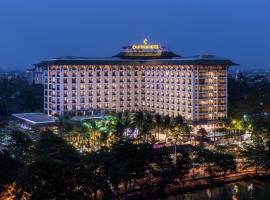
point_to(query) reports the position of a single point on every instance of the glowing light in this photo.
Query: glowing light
(145, 41)
(143, 46)
(146, 46)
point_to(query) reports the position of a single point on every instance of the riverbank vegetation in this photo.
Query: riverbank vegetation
(50, 167)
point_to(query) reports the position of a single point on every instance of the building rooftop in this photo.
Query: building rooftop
(35, 118)
(140, 54)
(196, 60)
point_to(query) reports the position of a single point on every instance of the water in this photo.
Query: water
(261, 191)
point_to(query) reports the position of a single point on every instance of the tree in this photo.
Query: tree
(106, 130)
(8, 170)
(257, 154)
(19, 96)
(121, 167)
(20, 146)
(58, 171)
(124, 122)
(166, 125)
(93, 127)
(165, 170)
(215, 162)
(144, 124)
(182, 166)
(202, 135)
(162, 168)
(65, 124)
(158, 123)
(178, 129)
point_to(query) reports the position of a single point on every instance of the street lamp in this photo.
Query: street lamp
(174, 142)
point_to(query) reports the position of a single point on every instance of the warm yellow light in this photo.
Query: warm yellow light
(144, 46)
(145, 41)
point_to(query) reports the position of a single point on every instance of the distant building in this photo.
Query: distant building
(28, 75)
(34, 75)
(141, 77)
(38, 75)
(239, 75)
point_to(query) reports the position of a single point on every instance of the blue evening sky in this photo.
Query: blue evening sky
(32, 30)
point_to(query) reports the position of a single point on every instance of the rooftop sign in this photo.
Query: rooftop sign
(146, 46)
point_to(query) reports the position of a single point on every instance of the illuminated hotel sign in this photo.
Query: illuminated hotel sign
(146, 46)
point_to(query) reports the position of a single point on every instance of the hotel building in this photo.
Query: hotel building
(141, 77)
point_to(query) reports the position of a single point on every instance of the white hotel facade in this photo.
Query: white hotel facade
(141, 77)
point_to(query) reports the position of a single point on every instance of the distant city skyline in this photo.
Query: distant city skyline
(31, 30)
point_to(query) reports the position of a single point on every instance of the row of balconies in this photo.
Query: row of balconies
(210, 104)
(75, 80)
(132, 69)
(107, 86)
(122, 100)
(122, 107)
(114, 93)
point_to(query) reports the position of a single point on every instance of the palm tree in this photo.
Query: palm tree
(144, 124)
(138, 121)
(123, 123)
(65, 124)
(186, 130)
(166, 124)
(107, 128)
(177, 127)
(148, 126)
(178, 120)
(74, 136)
(158, 123)
(93, 129)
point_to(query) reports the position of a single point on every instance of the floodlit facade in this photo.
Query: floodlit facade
(141, 77)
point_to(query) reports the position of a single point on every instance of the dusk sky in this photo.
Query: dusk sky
(32, 30)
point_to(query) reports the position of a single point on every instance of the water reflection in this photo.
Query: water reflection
(255, 190)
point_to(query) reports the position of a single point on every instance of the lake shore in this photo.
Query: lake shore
(193, 185)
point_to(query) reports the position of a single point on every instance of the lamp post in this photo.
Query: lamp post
(174, 142)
